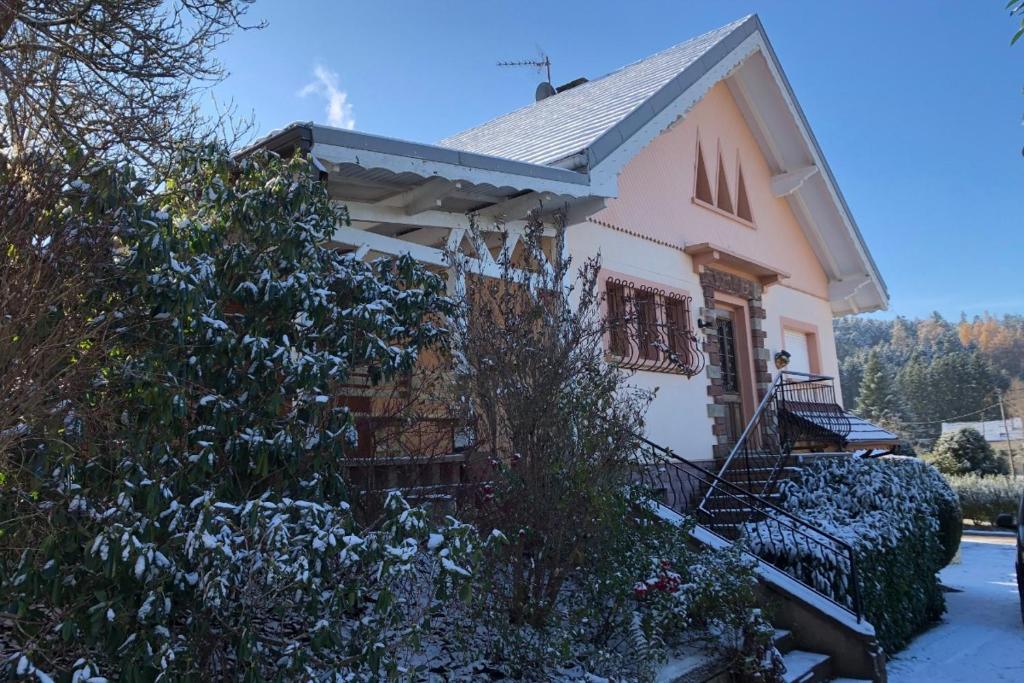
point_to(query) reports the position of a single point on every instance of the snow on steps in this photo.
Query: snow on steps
(858, 652)
(806, 667)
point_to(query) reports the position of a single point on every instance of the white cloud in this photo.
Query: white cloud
(339, 110)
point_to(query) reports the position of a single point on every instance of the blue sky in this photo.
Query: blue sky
(917, 105)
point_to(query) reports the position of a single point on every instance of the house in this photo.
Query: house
(995, 431)
(695, 175)
(727, 248)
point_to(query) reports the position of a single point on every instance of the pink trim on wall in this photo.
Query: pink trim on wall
(657, 187)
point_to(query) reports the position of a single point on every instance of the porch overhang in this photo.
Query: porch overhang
(404, 197)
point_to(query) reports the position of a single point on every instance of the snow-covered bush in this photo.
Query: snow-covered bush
(888, 511)
(984, 498)
(206, 531)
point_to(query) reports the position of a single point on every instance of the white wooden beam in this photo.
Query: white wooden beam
(392, 246)
(517, 207)
(380, 213)
(785, 184)
(427, 236)
(422, 197)
(366, 242)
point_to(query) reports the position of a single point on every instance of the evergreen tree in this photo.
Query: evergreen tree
(965, 451)
(878, 399)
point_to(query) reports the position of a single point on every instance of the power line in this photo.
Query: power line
(955, 417)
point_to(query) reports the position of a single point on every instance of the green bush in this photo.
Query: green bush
(891, 512)
(965, 451)
(206, 533)
(983, 498)
(951, 523)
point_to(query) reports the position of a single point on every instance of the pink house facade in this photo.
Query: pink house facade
(693, 173)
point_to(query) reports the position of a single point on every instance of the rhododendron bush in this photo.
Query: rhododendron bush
(205, 529)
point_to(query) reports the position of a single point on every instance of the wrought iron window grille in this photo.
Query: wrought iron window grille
(650, 329)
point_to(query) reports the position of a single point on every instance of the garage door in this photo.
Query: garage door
(800, 353)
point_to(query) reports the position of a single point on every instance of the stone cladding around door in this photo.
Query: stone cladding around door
(713, 281)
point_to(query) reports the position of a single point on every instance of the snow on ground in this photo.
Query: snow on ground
(981, 637)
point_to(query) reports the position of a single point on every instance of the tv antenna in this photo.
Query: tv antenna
(543, 63)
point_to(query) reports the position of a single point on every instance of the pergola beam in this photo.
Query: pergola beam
(423, 197)
(381, 213)
(516, 207)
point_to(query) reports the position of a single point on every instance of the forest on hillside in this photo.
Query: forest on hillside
(912, 375)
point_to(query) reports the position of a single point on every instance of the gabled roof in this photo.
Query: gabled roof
(597, 127)
(555, 128)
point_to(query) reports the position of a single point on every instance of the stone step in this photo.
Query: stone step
(806, 667)
(784, 640)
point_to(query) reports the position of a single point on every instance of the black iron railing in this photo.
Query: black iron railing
(766, 530)
(649, 329)
(798, 411)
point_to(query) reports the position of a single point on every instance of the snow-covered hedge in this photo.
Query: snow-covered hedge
(983, 498)
(888, 511)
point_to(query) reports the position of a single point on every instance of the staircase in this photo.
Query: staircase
(741, 500)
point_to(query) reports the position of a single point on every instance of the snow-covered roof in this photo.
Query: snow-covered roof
(559, 126)
(572, 146)
(861, 431)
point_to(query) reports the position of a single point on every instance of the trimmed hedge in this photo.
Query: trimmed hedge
(895, 513)
(983, 498)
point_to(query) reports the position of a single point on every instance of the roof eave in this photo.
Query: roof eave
(338, 146)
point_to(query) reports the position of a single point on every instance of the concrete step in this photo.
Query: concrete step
(806, 667)
(784, 640)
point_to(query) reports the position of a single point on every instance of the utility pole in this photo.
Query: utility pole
(1006, 430)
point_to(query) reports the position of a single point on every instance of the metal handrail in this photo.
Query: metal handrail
(775, 399)
(769, 512)
(761, 409)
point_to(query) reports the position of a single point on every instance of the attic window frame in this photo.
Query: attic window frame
(713, 205)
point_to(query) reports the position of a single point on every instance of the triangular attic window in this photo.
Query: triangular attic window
(742, 203)
(724, 200)
(703, 190)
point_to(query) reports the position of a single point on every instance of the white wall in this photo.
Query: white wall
(678, 417)
(781, 302)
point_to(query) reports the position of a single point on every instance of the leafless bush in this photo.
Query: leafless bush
(556, 421)
(57, 242)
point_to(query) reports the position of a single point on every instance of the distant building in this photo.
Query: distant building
(994, 431)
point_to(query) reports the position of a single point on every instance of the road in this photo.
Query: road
(981, 638)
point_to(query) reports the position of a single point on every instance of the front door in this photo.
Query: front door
(732, 375)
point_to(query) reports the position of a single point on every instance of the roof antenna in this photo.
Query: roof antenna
(545, 89)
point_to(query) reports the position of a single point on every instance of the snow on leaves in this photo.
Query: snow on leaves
(215, 534)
